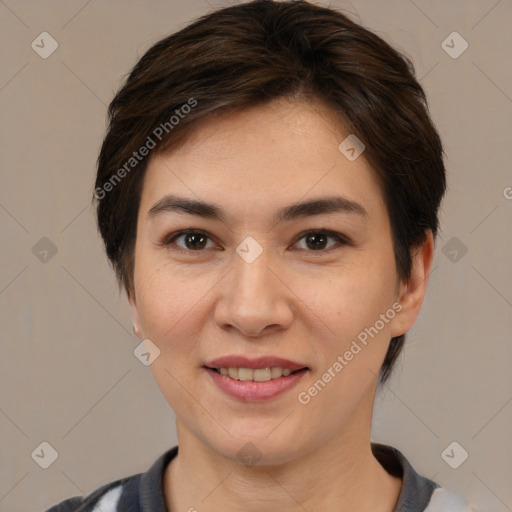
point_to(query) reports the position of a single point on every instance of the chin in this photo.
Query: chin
(257, 450)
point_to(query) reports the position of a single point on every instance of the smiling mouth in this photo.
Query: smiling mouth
(256, 375)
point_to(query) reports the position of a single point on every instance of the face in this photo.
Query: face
(260, 277)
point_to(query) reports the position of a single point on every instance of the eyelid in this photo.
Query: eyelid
(339, 237)
(169, 239)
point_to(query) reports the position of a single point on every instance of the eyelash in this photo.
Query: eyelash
(168, 240)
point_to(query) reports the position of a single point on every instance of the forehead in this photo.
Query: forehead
(267, 156)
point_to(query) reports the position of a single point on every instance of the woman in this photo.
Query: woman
(268, 192)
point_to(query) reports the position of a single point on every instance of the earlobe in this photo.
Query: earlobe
(413, 291)
(135, 314)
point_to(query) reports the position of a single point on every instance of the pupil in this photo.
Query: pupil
(316, 236)
(191, 236)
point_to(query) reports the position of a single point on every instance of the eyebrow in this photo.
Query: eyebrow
(319, 206)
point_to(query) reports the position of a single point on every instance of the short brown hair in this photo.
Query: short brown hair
(247, 55)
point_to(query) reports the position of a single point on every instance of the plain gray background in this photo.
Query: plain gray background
(68, 373)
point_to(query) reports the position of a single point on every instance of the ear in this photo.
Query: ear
(130, 293)
(412, 292)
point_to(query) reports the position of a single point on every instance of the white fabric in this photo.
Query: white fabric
(443, 500)
(108, 502)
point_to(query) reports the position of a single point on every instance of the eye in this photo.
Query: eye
(194, 240)
(315, 241)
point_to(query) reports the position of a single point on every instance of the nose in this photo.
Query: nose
(255, 298)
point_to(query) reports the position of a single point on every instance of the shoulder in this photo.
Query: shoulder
(418, 494)
(104, 499)
(443, 500)
(143, 491)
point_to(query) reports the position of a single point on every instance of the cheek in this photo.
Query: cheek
(170, 308)
(170, 303)
(346, 301)
(350, 341)
(350, 337)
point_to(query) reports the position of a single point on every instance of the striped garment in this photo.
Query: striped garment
(144, 492)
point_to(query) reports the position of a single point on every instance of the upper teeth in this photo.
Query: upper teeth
(258, 375)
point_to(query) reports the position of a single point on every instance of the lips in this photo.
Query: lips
(247, 379)
(235, 361)
(251, 391)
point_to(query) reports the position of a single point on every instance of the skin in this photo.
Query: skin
(293, 301)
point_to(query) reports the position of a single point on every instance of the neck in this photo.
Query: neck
(340, 474)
